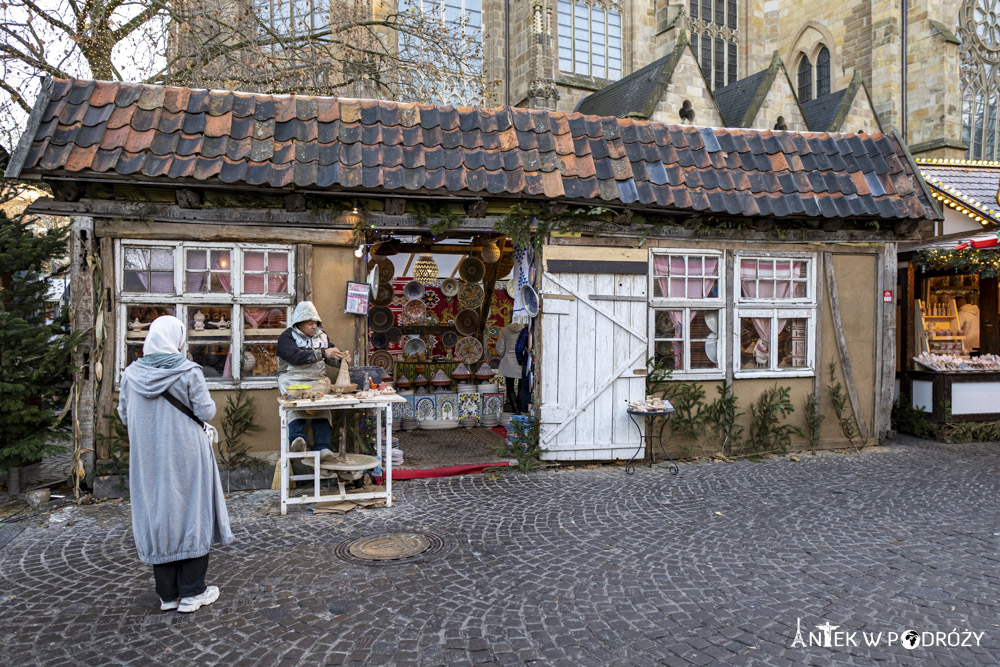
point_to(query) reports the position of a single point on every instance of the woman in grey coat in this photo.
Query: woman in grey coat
(178, 510)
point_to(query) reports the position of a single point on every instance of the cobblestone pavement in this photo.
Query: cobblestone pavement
(581, 567)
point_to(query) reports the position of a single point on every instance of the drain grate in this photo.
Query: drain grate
(389, 548)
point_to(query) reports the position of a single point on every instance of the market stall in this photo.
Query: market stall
(949, 365)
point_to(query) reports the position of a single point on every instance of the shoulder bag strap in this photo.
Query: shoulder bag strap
(174, 401)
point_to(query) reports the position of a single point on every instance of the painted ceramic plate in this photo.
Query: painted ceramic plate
(469, 350)
(414, 309)
(384, 296)
(466, 322)
(379, 340)
(414, 290)
(395, 335)
(381, 318)
(472, 270)
(449, 287)
(470, 295)
(449, 339)
(414, 347)
(373, 280)
(529, 297)
(382, 359)
(386, 270)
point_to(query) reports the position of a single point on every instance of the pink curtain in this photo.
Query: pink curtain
(767, 280)
(685, 280)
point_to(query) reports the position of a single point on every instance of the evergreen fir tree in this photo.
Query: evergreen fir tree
(36, 361)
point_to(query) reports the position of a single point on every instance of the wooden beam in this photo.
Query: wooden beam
(489, 280)
(845, 358)
(888, 339)
(173, 231)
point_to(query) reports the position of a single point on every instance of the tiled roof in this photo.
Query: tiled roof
(734, 100)
(109, 131)
(819, 111)
(629, 95)
(971, 185)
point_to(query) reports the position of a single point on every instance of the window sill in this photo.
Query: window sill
(790, 373)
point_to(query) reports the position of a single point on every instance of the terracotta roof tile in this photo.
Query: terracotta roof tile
(278, 141)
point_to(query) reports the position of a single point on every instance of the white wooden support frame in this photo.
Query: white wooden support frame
(288, 410)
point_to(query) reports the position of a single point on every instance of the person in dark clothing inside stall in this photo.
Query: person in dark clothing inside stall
(304, 351)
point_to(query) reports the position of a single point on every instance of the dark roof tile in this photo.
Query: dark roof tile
(328, 142)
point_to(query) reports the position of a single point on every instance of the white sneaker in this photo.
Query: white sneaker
(298, 445)
(188, 605)
(167, 606)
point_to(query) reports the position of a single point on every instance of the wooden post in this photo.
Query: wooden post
(106, 353)
(730, 355)
(886, 331)
(82, 254)
(489, 280)
(845, 358)
(818, 376)
(989, 340)
(911, 332)
(361, 322)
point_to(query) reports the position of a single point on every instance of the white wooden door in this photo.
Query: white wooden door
(593, 361)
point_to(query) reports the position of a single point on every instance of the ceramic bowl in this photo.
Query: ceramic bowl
(472, 270)
(449, 287)
(449, 339)
(414, 290)
(386, 270)
(529, 297)
(466, 322)
(384, 295)
(414, 309)
(381, 318)
(414, 347)
(395, 335)
(379, 340)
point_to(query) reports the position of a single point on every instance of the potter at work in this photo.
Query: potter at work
(304, 350)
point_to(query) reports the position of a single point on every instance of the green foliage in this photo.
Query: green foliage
(525, 445)
(845, 416)
(767, 434)
(444, 218)
(970, 260)
(528, 225)
(720, 418)
(910, 420)
(688, 399)
(954, 432)
(814, 421)
(238, 420)
(118, 446)
(35, 358)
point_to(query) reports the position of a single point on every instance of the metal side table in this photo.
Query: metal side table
(648, 439)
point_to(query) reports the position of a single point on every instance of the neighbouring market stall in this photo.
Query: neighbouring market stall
(723, 255)
(950, 368)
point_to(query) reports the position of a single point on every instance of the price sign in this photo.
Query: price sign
(887, 296)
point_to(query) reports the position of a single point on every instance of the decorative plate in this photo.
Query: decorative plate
(382, 359)
(414, 290)
(373, 280)
(381, 318)
(386, 270)
(414, 309)
(415, 347)
(449, 287)
(529, 297)
(466, 322)
(469, 350)
(379, 340)
(510, 286)
(395, 335)
(471, 295)
(449, 339)
(472, 270)
(384, 296)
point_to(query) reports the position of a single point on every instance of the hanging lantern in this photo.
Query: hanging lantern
(385, 249)
(491, 253)
(354, 217)
(425, 270)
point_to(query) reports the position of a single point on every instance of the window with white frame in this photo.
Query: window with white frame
(590, 39)
(688, 312)
(235, 300)
(294, 18)
(775, 315)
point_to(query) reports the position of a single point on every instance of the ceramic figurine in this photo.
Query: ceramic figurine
(199, 321)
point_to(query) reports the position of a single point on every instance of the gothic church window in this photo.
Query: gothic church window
(590, 39)
(805, 76)
(979, 32)
(715, 39)
(294, 18)
(823, 72)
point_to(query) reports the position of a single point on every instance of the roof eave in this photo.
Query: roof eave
(20, 153)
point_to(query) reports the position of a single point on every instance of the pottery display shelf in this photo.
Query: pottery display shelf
(296, 409)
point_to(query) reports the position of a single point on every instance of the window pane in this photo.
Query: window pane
(209, 333)
(137, 321)
(260, 360)
(197, 259)
(694, 9)
(137, 258)
(668, 324)
(720, 14)
(732, 14)
(162, 259)
(792, 343)
(823, 72)
(161, 282)
(754, 336)
(805, 79)
(732, 69)
(720, 63)
(704, 328)
(668, 346)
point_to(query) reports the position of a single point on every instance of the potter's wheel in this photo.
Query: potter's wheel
(348, 466)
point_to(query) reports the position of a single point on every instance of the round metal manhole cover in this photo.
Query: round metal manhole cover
(389, 548)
